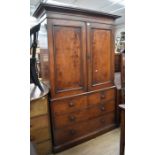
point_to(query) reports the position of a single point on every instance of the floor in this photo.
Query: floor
(106, 144)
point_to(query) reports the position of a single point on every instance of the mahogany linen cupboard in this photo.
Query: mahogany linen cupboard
(80, 53)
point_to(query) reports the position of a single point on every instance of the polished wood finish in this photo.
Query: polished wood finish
(101, 97)
(69, 105)
(71, 10)
(74, 113)
(99, 55)
(75, 131)
(84, 115)
(73, 104)
(40, 132)
(122, 137)
(84, 93)
(67, 40)
(81, 73)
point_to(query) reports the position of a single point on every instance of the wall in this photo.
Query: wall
(119, 29)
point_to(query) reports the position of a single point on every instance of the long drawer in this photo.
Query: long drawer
(61, 121)
(78, 130)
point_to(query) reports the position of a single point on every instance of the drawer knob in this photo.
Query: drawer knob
(71, 104)
(72, 132)
(72, 118)
(102, 121)
(102, 96)
(102, 108)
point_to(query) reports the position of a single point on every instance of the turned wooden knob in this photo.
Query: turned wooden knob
(72, 132)
(72, 118)
(102, 121)
(102, 96)
(71, 104)
(102, 108)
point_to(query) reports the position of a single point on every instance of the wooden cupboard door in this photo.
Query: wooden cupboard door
(100, 55)
(67, 45)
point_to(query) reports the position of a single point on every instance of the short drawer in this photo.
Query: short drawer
(102, 109)
(100, 97)
(39, 122)
(39, 107)
(76, 131)
(44, 148)
(69, 105)
(40, 135)
(61, 121)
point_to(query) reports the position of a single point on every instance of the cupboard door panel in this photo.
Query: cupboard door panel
(100, 55)
(68, 53)
(67, 58)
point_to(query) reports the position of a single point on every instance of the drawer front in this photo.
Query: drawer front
(39, 107)
(79, 116)
(39, 122)
(40, 135)
(44, 148)
(102, 96)
(73, 132)
(61, 121)
(102, 109)
(69, 105)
